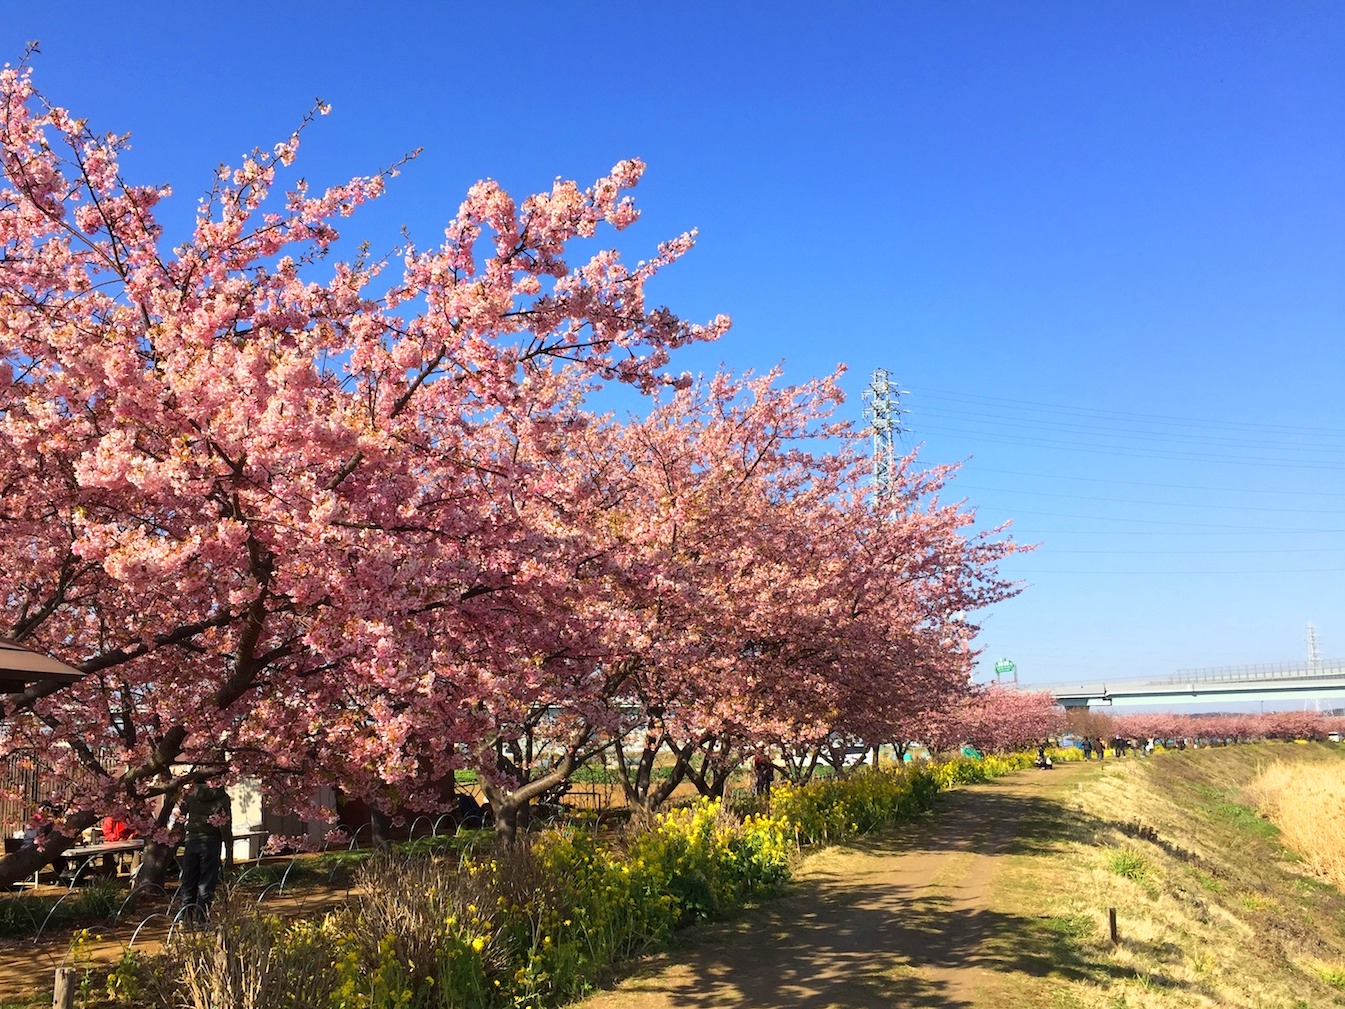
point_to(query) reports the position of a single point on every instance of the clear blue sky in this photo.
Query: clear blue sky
(1102, 245)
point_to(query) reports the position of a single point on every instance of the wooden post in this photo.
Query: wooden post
(63, 997)
(1111, 918)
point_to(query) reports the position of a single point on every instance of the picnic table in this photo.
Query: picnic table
(114, 855)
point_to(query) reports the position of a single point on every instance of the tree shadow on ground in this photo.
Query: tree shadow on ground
(908, 932)
(867, 946)
(975, 822)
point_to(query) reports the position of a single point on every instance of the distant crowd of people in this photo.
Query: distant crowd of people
(1121, 746)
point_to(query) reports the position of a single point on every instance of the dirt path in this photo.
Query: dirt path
(899, 921)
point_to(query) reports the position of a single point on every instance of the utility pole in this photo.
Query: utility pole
(883, 411)
(1314, 656)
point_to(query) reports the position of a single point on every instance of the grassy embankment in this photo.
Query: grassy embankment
(1214, 906)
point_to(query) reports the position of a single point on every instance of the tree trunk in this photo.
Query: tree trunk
(154, 865)
(641, 791)
(799, 768)
(380, 829)
(716, 767)
(635, 781)
(24, 863)
(508, 814)
(158, 856)
(659, 794)
(28, 859)
(510, 808)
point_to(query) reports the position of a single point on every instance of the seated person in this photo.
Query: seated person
(115, 829)
(39, 831)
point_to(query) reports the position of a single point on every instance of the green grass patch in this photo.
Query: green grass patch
(24, 914)
(1208, 882)
(1130, 864)
(1073, 927)
(1331, 974)
(1245, 818)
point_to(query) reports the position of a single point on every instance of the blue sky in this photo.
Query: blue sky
(1102, 245)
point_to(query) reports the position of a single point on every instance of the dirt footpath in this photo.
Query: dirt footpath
(904, 920)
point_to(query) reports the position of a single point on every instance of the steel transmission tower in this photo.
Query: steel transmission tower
(883, 411)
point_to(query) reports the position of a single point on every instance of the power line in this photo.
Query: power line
(1048, 550)
(1158, 504)
(1173, 456)
(1109, 427)
(1141, 483)
(1134, 417)
(1171, 573)
(1172, 522)
(1026, 535)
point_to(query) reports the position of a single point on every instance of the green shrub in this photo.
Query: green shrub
(834, 809)
(591, 774)
(1331, 974)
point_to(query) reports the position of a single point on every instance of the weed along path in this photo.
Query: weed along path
(907, 919)
(28, 966)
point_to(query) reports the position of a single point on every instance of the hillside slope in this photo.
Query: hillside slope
(1212, 909)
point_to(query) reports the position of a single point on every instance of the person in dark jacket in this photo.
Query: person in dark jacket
(206, 817)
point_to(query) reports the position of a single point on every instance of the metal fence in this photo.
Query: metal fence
(20, 785)
(1319, 670)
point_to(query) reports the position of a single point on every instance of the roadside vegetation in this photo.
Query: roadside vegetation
(1214, 906)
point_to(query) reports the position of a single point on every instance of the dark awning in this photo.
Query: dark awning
(21, 666)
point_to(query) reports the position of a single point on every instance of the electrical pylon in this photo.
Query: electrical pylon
(883, 411)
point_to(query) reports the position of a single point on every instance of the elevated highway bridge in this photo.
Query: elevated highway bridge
(1270, 682)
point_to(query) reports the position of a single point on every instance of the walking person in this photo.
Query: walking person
(763, 774)
(207, 815)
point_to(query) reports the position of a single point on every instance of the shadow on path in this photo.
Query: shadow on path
(904, 919)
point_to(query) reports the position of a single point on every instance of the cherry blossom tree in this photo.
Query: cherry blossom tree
(355, 522)
(1089, 722)
(269, 504)
(762, 599)
(999, 719)
(1240, 727)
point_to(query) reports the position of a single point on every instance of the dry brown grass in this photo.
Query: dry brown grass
(1308, 805)
(1211, 912)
